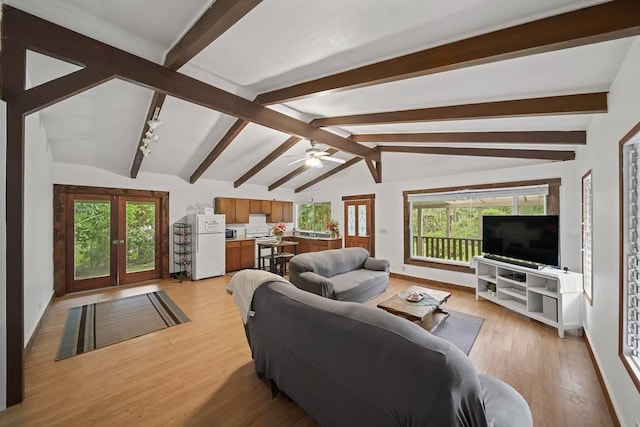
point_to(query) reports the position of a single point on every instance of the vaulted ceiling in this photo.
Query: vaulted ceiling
(439, 87)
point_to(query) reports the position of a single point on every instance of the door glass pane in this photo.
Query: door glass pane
(91, 237)
(141, 236)
(351, 220)
(362, 220)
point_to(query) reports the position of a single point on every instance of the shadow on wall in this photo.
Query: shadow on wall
(257, 407)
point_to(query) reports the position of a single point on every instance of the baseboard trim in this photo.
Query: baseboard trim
(607, 398)
(434, 283)
(27, 348)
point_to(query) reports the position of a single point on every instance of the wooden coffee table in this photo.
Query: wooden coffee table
(430, 316)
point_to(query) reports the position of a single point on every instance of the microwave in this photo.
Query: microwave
(230, 233)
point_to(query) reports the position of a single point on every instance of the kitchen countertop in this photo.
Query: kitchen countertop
(317, 238)
(239, 239)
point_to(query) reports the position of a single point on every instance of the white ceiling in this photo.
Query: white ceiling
(284, 42)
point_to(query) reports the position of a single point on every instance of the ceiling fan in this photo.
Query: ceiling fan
(313, 157)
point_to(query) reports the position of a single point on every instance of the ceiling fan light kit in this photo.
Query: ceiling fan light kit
(313, 157)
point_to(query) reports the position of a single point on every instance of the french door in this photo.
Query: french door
(109, 239)
(114, 240)
(359, 218)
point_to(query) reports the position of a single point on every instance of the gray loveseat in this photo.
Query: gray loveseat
(349, 364)
(348, 274)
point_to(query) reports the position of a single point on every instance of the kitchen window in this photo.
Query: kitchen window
(313, 216)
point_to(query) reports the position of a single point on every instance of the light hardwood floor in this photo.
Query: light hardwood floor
(201, 374)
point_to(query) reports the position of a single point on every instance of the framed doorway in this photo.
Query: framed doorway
(359, 222)
(108, 237)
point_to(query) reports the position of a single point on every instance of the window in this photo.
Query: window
(445, 224)
(314, 216)
(629, 340)
(587, 226)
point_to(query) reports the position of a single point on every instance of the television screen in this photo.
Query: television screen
(532, 238)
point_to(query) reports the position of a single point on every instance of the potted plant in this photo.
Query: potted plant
(278, 230)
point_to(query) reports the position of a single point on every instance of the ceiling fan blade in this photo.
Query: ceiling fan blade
(296, 161)
(320, 153)
(335, 159)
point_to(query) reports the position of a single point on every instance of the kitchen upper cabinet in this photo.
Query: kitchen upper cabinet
(237, 211)
(227, 207)
(242, 211)
(255, 206)
(265, 206)
(276, 211)
(287, 211)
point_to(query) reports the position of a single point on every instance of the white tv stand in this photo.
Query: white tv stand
(547, 295)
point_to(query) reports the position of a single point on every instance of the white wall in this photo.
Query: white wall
(601, 156)
(3, 256)
(183, 197)
(389, 211)
(38, 225)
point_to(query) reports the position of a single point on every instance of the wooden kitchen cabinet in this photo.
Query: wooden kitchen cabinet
(227, 207)
(240, 254)
(276, 211)
(316, 245)
(242, 211)
(265, 206)
(255, 206)
(287, 211)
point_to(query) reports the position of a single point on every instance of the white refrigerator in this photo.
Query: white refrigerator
(208, 245)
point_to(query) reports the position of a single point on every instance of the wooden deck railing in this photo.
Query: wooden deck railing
(453, 248)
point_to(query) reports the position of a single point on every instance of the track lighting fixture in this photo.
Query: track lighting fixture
(148, 135)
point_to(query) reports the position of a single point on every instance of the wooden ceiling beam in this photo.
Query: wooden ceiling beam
(46, 94)
(222, 145)
(556, 155)
(297, 171)
(59, 42)
(595, 24)
(220, 16)
(374, 170)
(588, 103)
(578, 137)
(328, 174)
(269, 158)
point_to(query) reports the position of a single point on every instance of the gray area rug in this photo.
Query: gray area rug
(98, 325)
(460, 329)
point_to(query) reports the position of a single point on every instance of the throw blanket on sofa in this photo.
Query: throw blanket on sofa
(244, 283)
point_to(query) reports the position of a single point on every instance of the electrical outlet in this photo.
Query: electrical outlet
(404, 267)
(383, 231)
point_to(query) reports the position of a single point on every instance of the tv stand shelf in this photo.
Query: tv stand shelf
(547, 295)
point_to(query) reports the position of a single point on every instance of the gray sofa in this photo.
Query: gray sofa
(348, 274)
(348, 364)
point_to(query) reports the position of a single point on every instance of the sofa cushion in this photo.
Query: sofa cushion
(494, 395)
(359, 285)
(331, 262)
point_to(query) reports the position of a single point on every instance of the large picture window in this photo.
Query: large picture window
(629, 341)
(445, 225)
(314, 216)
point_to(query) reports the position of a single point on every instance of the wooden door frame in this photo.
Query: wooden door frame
(372, 234)
(60, 192)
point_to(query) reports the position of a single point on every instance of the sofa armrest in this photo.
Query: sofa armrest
(377, 264)
(314, 283)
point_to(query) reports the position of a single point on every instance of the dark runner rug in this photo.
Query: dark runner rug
(460, 329)
(98, 325)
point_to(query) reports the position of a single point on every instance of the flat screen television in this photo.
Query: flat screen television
(530, 238)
